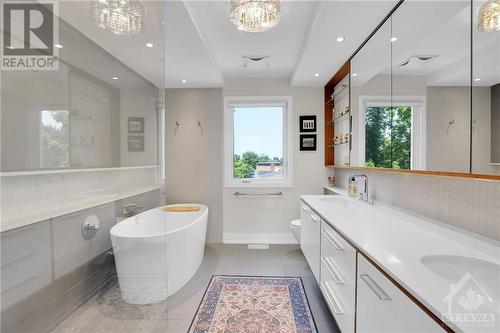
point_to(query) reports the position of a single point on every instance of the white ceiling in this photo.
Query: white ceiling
(203, 47)
(148, 62)
(302, 44)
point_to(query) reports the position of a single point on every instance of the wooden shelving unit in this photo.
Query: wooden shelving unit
(329, 121)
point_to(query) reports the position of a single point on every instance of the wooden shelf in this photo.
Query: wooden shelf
(419, 172)
(328, 116)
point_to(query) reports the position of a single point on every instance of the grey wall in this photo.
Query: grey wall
(267, 219)
(448, 145)
(495, 123)
(194, 162)
(482, 131)
(194, 155)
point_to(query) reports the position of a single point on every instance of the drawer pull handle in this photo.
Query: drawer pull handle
(334, 241)
(381, 294)
(314, 218)
(331, 300)
(332, 269)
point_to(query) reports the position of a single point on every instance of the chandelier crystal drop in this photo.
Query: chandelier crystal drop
(255, 15)
(122, 17)
(489, 16)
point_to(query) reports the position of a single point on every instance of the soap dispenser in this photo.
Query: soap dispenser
(352, 188)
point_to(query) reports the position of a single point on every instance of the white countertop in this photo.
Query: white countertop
(397, 240)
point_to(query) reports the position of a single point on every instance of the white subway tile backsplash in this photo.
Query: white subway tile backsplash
(469, 204)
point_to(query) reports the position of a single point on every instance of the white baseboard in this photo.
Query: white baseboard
(258, 238)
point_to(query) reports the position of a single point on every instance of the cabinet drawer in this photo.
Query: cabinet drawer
(344, 315)
(383, 307)
(339, 292)
(343, 254)
(338, 277)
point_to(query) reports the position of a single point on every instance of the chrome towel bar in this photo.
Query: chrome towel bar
(237, 193)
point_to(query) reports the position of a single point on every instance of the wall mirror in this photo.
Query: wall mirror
(485, 96)
(371, 101)
(93, 112)
(411, 90)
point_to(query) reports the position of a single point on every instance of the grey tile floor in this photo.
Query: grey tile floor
(105, 312)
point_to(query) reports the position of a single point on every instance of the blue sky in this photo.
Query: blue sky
(259, 130)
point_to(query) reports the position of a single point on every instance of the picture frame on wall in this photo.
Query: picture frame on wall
(135, 125)
(307, 123)
(308, 142)
(135, 143)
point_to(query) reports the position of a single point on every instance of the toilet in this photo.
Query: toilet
(295, 227)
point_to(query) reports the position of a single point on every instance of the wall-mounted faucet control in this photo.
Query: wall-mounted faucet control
(131, 210)
(90, 227)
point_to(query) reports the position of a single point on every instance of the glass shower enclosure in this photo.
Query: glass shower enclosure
(82, 152)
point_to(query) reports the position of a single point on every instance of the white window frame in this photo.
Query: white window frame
(418, 125)
(256, 101)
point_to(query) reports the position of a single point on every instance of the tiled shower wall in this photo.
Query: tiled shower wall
(48, 268)
(36, 197)
(469, 204)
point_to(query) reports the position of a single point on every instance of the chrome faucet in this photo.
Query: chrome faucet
(363, 195)
(131, 209)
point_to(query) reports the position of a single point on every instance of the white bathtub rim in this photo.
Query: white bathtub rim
(164, 234)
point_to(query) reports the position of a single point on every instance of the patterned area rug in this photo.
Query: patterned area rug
(246, 304)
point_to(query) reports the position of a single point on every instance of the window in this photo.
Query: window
(257, 142)
(54, 139)
(392, 133)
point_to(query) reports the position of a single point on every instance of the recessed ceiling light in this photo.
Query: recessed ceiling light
(149, 44)
(477, 79)
(115, 77)
(59, 46)
(393, 39)
(317, 74)
(183, 81)
(340, 39)
(354, 74)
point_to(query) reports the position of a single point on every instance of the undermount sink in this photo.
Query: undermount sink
(454, 268)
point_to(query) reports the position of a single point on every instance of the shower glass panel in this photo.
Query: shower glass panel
(82, 152)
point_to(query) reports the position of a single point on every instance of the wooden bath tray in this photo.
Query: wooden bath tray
(180, 209)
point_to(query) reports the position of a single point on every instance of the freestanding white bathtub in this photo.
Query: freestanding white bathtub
(158, 252)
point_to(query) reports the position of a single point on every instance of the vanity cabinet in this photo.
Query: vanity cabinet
(310, 237)
(338, 277)
(383, 307)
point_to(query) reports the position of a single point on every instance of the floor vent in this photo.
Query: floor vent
(258, 246)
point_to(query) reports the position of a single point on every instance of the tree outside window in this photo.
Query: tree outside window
(388, 137)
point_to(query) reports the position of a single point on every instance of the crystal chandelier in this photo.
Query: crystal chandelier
(489, 16)
(122, 17)
(255, 15)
